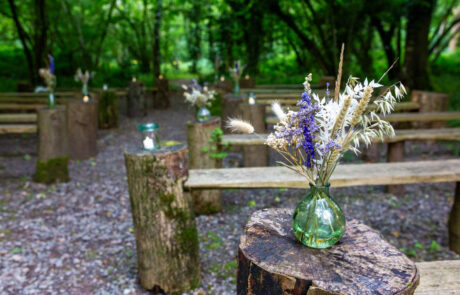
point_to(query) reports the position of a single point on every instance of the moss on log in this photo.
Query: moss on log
(52, 170)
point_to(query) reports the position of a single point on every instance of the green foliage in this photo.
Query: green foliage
(434, 246)
(218, 150)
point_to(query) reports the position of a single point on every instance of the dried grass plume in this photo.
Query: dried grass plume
(237, 125)
(278, 110)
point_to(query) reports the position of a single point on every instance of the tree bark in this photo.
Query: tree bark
(164, 223)
(272, 261)
(255, 155)
(415, 66)
(82, 128)
(53, 153)
(199, 148)
(156, 40)
(454, 222)
(135, 102)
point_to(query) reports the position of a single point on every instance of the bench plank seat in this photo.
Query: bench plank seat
(403, 117)
(439, 277)
(401, 135)
(18, 118)
(18, 128)
(344, 176)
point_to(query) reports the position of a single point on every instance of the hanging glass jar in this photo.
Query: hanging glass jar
(150, 138)
(318, 221)
(203, 114)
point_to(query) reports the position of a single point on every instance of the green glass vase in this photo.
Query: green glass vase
(318, 221)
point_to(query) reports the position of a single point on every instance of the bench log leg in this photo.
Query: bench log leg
(255, 156)
(200, 149)
(164, 224)
(454, 222)
(395, 154)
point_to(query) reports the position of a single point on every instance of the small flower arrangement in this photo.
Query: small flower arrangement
(48, 74)
(198, 96)
(237, 71)
(83, 77)
(201, 98)
(313, 139)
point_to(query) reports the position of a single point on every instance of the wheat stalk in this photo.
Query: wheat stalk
(339, 75)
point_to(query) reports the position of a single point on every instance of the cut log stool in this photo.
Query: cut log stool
(161, 97)
(255, 155)
(230, 109)
(82, 128)
(272, 261)
(164, 223)
(107, 110)
(395, 154)
(430, 102)
(53, 152)
(200, 148)
(135, 102)
(454, 222)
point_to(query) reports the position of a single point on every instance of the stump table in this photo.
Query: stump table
(82, 128)
(255, 155)
(161, 97)
(107, 110)
(230, 109)
(53, 151)
(272, 261)
(200, 148)
(135, 101)
(164, 223)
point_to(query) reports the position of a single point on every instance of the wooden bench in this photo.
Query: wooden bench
(344, 176)
(439, 277)
(404, 117)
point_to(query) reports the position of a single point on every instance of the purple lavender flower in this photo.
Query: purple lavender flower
(51, 63)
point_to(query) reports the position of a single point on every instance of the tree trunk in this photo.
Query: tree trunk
(161, 97)
(82, 128)
(135, 103)
(454, 222)
(164, 224)
(53, 153)
(272, 261)
(156, 40)
(415, 66)
(255, 155)
(200, 149)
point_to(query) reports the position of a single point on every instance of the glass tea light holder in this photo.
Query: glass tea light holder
(85, 98)
(150, 137)
(251, 99)
(105, 87)
(133, 79)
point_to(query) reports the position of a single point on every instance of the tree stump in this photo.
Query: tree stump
(225, 86)
(107, 110)
(454, 222)
(247, 83)
(135, 103)
(161, 100)
(395, 154)
(82, 128)
(53, 152)
(327, 79)
(164, 223)
(430, 102)
(272, 261)
(200, 149)
(230, 109)
(255, 155)
(371, 153)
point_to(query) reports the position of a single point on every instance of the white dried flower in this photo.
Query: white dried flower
(237, 125)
